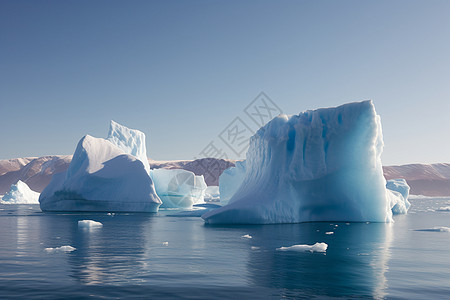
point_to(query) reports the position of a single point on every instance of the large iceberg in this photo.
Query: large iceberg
(320, 165)
(104, 177)
(20, 193)
(178, 188)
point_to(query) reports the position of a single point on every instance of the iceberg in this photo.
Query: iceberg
(317, 247)
(130, 141)
(89, 224)
(178, 188)
(398, 192)
(102, 177)
(20, 193)
(320, 165)
(212, 194)
(230, 180)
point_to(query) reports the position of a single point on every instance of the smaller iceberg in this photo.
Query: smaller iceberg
(398, 192)
(20, 193)
(178, 188)
(89, 224)
(212, 194)
(66, 248)
(317, 247)
(104, 175)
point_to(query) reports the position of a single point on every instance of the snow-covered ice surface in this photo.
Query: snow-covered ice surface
(178, 188)
(317, 247)
(131, 141)
(320, 165)
(101, 177)
(89, 224)
(20, 193)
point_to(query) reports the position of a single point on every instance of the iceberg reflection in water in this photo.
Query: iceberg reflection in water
(155, 255)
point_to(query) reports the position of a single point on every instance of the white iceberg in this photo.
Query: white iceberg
(317, 247)
(101, 177)
(212, 194)
(320, 165)
(178, 188)
(89, 224)
(398, 192)
(131, 141)
(20, 193)
(60, 249)
(230, 180)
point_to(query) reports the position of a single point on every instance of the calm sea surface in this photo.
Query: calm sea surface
(143, 256)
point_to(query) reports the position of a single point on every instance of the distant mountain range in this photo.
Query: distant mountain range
(37, 172)
(424, 179)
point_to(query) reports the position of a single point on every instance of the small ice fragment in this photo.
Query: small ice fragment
(89, 224)
(329, 232)
(436, 229)
(347, 224)
(336, 225)
(444, 208)
(165, 243)
(317, 247)
(110, 214)
(247, 236)
(60, 249)
(254, 248)
(367, 222)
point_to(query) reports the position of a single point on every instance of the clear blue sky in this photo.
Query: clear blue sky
(181, 71)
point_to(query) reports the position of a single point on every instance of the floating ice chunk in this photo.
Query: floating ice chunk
(397, 193)
(165, 243)
(321, 165)
(247, 236)
(101, 177)
(230, 180)
(20, 193)
(317, 247)
(89, 224)
(444, 208)
(130, 141)
(60, 249)
(178, 188)
(436, 229)
(329, 232)
(254, 248)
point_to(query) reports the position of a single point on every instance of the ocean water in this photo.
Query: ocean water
(144, 256)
